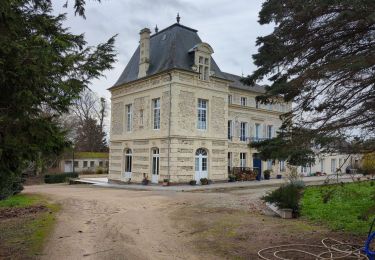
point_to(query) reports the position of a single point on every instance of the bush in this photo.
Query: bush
(193, 182)
(59, 177)
(368, 164)
(10, 184)
(84, 172)
(99, 170)
(204, 181)
(267, 174)
(285, 197)
(231, 178)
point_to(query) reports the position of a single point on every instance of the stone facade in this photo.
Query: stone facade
(196, 104)
(183, 138)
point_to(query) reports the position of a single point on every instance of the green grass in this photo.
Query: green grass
(347, 207)
(20, 200)
(24, 236)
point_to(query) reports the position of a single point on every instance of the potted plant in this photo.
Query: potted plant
(166, 182)
(145, 180)
(231, 178)
(204, 181)
(193, 182)
(267, 174)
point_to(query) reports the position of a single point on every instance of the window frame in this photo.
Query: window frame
(128, 160)
(243, 159)
(156, 113)
(243, 131)
(129, 117)
(202, 114)
(230, 130)
(243, 101)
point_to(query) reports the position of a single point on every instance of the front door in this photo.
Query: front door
(257, 166)
(200, 165)
(155, 166)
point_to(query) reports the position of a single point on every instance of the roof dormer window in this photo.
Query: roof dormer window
(202, 60)
(203, 68)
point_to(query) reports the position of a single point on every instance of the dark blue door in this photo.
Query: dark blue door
(257, 165)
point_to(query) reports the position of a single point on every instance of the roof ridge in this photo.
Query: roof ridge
(174, 25)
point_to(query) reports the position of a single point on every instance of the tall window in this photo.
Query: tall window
(242, 159)
(203, 66)
(243, 101)
(229, 161)
(129, 117)
(269, 131)
(333, 165)
(243, 131)
(156, 112)
(141, 117)
(282, 166)
(202, 114)
(230, 130)
(201, 160)
(321, 165)
(269, 164)
(257, 131)
(256, 104)
(230, 99)
(128, 160)
(155, 161)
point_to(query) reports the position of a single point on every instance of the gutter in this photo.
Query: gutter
(169, 124)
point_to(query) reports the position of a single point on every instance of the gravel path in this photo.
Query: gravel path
(102, 223)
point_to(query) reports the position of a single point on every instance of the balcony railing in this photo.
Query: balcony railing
(252, 139)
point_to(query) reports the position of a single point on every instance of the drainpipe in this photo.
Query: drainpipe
(169, 124)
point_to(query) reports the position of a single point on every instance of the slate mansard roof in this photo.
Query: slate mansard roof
(169, 49)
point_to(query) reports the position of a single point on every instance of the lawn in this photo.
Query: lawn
(25, 223)
(347, 207)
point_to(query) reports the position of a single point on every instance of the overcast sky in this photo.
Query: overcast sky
(230, 27)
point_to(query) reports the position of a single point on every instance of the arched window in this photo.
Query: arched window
(201, 160)
(128, 160)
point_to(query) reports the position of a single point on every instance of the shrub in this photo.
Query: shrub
(193, 182)
(59, 177)
(368, 164)
(285, 197)
(231, 178)
(84, 172)
(99, 170)
(204, 181)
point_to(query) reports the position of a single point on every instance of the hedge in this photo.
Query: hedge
(59, 177)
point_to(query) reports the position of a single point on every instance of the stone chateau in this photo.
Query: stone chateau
(175, 115)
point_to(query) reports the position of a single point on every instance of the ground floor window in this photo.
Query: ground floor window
(229, 161)
(282, 166)
(242, 159)
(269, 164)
(155, 161)
(333, 165)
(92, 164)
(201, 160)
(128, 160)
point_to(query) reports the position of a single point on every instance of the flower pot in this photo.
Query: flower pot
(165, 183)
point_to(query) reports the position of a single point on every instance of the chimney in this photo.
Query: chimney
(144, 52)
